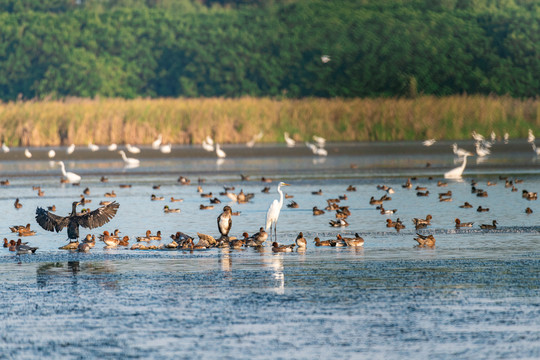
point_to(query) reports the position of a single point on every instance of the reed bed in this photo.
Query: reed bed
(189, 121)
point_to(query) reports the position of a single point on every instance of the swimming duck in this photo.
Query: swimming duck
(12, 245)
(23, 248)
(184, 180)
(343, 197)
(282, 248)
(83, 247)
(176, 200)
(338, 223)
(292, 205)
(124, 186)
(266, 190)
(460, 224)
(224, 221)
(149, 237)
(528, 210)
(17, 228)
(373, 201)
(425, 240)
(399, 225)
(489, 226)
(103, 179)
(237, 243)
(168, 210)
(17, 204)
(420, 193)
(351, 188)
(442, 183)
(207, 195)
(109, 240)
(206, 207)
(215, 201)
(300, 241)
(426, 221)
(318, 242)
(481, 209)
(153, 197)
(466, 205)
(26, 232)
(319, 192)
(124, 241)
(387, 212)
(4, 182)
(90, 240)
(317, 211)
(356, 241)
(408, 184)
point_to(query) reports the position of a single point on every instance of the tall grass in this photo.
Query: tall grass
(189, 121)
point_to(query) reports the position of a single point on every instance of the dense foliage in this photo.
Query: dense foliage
(171, 48)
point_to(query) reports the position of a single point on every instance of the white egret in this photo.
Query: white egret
(131, 162)
(112, 147)
(459, 151)
(93, 147)
(165, 149)
(51, 153)
(207, 146)
(317, 150)
(530, 137)
(506, 137)
(456, 173)
(219, 152)
(481, 151)
(536, 151)
(157, 143)
(325, 59)
(70, 149)
(290, 141)
(133, 149)
(253, 140)
(319, 140)
(5, 148)
(209, 140)
(70, 177)
(429, 142)
(273, 211)
(27, 153)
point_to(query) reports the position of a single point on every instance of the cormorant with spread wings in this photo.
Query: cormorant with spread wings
(90, 220)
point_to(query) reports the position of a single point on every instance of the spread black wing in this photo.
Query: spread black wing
(97, 217)
(50, 221)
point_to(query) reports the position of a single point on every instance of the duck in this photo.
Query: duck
(176, 199)
(426, 221)
(184, 180)
(12, 245)
(124, 241)
(387, 212)
(215, 201)
(168, 210)
(408, 184)
(356, 241)
(149, 237)
(17, 228)
(266, 190)
(111, 194)
(153, 197)
(292, 205)
(466, 205)
(24, 248)
(282, 248)
(84, 247)
(109, 240)
(399, 225)
(317, 211)
(425, 240)
(26, 232)
(206, 207)
(259, 237)
(300, 241)
(351, 188)
(481, 209)
(73, 245)
(238, 243)
(460, 224)
(489, 226)
(338, 223)
(90, 240)
(319, 192)
(374, 201)
(528, 210)
(442, 183)
(318, 242)
(420, 193)
(17, 204)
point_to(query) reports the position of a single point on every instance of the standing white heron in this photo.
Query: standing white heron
(456, 173)
(112, 147)
(133, 149)
(27, 153)
(129, 161)
(273, 211)
(166, 149)
(5, 148)
(290, 141)
(70, 176)
(93, 147)
(530, 137)
(219, 152)
(157, 143)
(70, 149)
(51, 153)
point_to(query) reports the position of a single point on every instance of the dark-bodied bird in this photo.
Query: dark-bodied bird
(224, 221)
(90, 220)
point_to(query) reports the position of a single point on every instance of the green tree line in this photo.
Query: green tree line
(189, 48)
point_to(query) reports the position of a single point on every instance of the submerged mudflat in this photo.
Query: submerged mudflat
(474, 295)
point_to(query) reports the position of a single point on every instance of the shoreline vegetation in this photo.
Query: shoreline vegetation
(235, 121)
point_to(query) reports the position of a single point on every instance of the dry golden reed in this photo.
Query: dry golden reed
(189, 121)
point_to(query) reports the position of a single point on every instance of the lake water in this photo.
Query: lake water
(475, 295)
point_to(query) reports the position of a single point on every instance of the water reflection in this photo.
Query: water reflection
(225, 260)
(52, 274)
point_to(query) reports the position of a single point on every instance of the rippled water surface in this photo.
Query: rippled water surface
(474, 295)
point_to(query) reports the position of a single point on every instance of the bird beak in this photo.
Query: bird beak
(286, 184)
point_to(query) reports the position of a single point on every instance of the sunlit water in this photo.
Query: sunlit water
(475, 295)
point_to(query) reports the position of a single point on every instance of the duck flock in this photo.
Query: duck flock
(92, 219)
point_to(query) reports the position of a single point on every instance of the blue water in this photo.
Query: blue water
(473, 296)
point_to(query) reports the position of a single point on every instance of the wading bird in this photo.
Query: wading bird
(157, 143)
(70, 176)
(90, 220)
(129, 161)
(273, 211)
(224, 221)
(456, 172)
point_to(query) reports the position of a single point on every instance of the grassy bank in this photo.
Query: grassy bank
(188, 121)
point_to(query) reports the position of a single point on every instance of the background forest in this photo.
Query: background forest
(182, 48)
